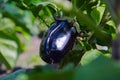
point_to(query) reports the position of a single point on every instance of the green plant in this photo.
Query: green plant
(90, 58)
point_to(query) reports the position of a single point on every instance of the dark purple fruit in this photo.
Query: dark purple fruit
(58, 41)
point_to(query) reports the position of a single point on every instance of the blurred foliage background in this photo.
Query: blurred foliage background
(23, 22)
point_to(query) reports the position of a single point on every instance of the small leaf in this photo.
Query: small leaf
(112, 28)
(8, 52)
(90, 56)
(97, 14)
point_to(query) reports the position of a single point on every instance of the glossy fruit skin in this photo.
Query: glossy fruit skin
(58, 41)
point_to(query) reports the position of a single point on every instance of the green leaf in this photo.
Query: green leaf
(111, 23)
(22, 18)
(7, 31)
(111, 28)
(10, 45)
(100, 69)
(90, 56)
(97, 14)
(87, 22)
(65, 5)
(45, 11)
(15, 75)
(50, 74)
(92, 4)
(37, 7)
(29, 23)
(8, 52)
